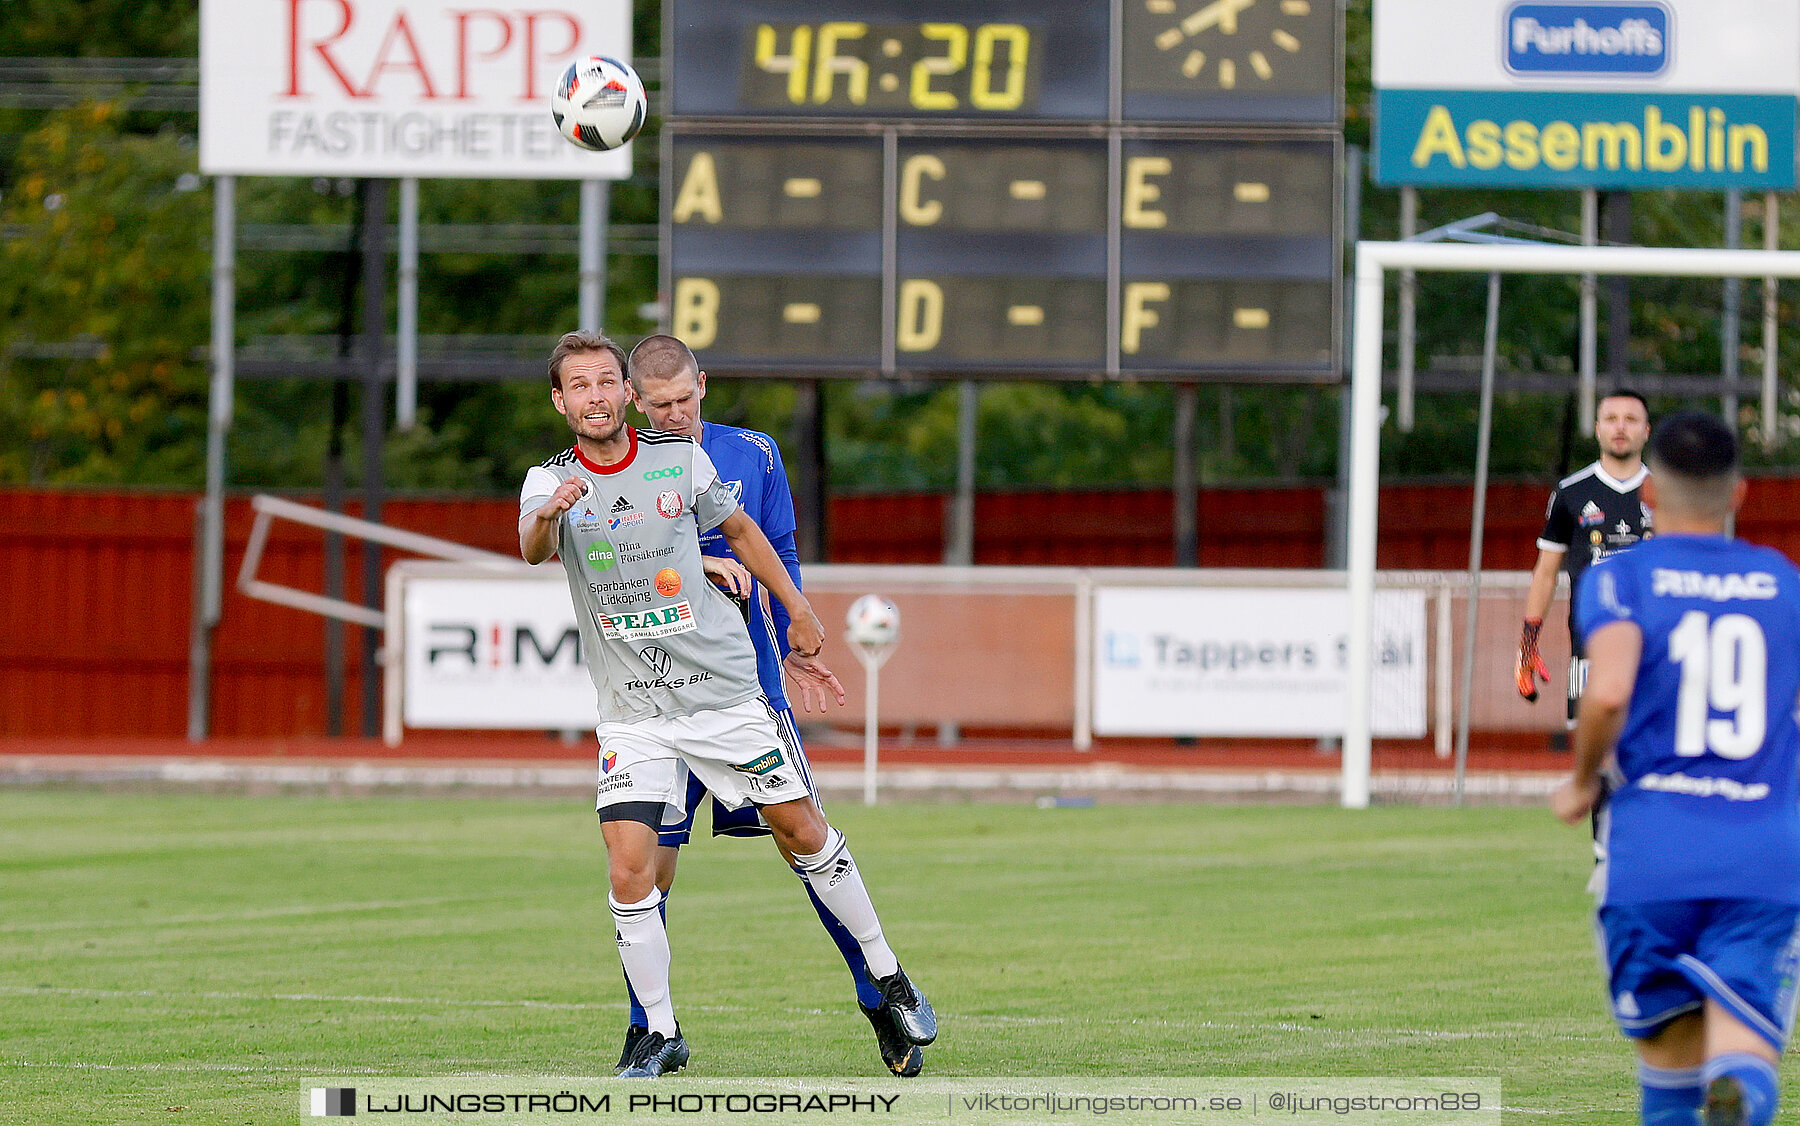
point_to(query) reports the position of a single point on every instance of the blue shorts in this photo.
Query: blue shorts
(1666, 959)
(727, 822)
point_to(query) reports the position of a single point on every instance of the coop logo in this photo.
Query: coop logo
(671, 472)
(518, 647)
(1593, 39)
(601, 556)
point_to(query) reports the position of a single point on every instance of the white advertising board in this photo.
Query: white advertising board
(1715, 46)
(494, 653)
(1586, 94)
(1257, 661)
(398, 87)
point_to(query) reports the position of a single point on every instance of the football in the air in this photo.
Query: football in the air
(599, 103)
(873, 620)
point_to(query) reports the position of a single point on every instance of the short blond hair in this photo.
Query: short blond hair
(660, 357)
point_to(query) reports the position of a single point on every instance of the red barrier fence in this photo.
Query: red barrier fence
(99, 584)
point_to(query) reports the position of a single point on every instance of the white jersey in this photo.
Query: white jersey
(658, 637)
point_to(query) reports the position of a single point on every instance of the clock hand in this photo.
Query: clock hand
(1224, 13)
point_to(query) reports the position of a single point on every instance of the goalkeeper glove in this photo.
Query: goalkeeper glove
(1531, 666)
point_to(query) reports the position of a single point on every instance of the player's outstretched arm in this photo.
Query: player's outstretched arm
(537, 528)
(1613, 653)
(815, 683)
(806, 635)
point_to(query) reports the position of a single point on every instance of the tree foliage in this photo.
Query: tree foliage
(103, 289)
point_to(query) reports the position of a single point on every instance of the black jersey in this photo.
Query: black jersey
(1593, 515)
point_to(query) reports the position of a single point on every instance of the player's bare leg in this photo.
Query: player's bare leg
(1740, 1072)
(643, 944)
(1669, 1072)
(820, 853)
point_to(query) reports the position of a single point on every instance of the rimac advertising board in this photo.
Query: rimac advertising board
(1638, 94)
(494, 653)
(398, 87)
(1250, 662)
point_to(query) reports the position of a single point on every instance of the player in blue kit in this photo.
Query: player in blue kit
(1693, 641)
(668, 386)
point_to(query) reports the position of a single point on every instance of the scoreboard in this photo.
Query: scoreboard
(1056, 188)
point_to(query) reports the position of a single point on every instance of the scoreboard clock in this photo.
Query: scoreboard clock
(1060, 188)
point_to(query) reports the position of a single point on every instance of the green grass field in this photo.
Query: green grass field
(188, 958)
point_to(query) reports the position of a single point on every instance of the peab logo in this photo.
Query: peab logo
(1592, 39)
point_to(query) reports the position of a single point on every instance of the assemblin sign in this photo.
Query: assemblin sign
(397, 87)
(1617, 140)
(1683, 93)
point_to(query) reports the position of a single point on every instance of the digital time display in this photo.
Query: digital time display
(999, 60)
(852, 66)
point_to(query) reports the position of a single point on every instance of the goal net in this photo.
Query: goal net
(1373, 261)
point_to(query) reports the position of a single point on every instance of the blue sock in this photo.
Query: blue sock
(866, 994)
(1671, 1095)
(1762, 1092)
(636, 1018)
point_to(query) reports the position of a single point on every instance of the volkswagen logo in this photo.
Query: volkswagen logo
(658, 660)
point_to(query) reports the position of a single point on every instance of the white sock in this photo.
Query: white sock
(644, 949)
(836, 881)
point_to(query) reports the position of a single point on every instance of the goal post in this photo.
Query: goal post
(1373, 261)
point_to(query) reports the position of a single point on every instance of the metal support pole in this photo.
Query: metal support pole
(810, 499)
(959, 536)
(1483, 439)
(1337, 500)
(374, 433)
(1730, 317)
(211, 560)
(596, 199)
(406, 314)
(1771, 419)
(1187, 490)
(1407, 311)
(1589, 362)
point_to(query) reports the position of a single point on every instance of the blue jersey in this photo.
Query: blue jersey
(1709, 751)
(750, 463)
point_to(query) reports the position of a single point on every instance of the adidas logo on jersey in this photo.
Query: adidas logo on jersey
(839, 870)
(1591, 515)
(623, 515)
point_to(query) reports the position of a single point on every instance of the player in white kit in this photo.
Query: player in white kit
(676, 676)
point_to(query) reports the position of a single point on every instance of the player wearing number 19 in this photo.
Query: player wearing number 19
(1693, 644)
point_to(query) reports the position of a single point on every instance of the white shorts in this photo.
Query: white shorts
(737, 752)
